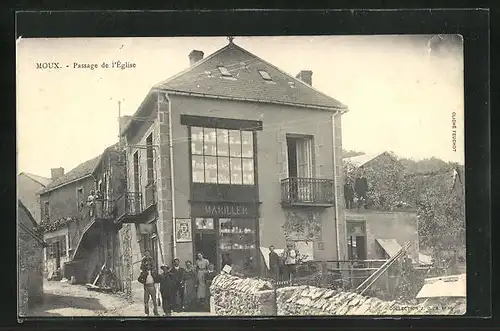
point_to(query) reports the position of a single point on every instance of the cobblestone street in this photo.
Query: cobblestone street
(66, 300)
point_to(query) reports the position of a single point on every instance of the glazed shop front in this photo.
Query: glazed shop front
(227, 232)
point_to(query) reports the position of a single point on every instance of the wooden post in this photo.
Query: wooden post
(324, 272)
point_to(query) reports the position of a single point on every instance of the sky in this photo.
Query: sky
(401, 96)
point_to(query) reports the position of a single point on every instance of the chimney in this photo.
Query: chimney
(124, 120)
(305, 76)
(56, 173)
(195, 56)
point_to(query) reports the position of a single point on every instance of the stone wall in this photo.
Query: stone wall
(237, 296)
(30, 259)
(234, 296)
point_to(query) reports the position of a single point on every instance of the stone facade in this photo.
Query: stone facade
(93, 239)
(30, 259)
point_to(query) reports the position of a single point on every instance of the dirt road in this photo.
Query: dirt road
(63, 299)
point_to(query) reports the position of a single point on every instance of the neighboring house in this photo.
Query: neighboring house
(221, 154)
(28, 186)
(82, 236)
(379, 234)
(375, 234)
(374, 160)
(30, 261)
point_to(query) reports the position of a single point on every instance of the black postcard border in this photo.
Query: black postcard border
(472, 24)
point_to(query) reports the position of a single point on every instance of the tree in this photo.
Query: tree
(386, 183)
(426, 185)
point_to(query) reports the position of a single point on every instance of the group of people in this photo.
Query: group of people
(92, 199)
(355, 192)
(283, 267)
(180, 288)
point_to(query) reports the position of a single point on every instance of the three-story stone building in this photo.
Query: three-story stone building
(222, 155)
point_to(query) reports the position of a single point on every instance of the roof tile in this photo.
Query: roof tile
(82, 170)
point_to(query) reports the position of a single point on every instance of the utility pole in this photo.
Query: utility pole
(119, 119)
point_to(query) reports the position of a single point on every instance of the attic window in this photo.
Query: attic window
(265, 75)
(224, 71)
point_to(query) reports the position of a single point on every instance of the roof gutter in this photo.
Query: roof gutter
(172, 176)
(64, 184)
(211, 96)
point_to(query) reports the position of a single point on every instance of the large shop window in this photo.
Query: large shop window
(238, 244)
(222, 156)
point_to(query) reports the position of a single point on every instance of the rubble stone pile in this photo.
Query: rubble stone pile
(308, 300)
(234, 296)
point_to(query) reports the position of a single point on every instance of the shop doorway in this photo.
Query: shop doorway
(356, 240)
(206, 243)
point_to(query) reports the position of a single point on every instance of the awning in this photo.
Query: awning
(442, 287)
(390, 246)
(424, 259)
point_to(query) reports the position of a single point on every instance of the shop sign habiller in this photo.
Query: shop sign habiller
(224, 209)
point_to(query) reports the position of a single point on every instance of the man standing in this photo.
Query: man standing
(147, 262)
(148, 278)
(178, 279)
(361, 189)
(273, 262)
(165, 290)
(91, 203)
(348, 195)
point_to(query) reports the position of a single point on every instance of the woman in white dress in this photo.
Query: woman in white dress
(201, 270)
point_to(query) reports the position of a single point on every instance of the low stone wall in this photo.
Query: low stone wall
(234, 296)
(307, 300)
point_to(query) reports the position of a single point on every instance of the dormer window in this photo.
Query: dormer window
(224, 72)
(265, 75)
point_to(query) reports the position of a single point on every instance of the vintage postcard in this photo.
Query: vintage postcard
(232, 176)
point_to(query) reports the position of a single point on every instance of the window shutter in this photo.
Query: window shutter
(282, 155)
(139, 165)
(318, 154)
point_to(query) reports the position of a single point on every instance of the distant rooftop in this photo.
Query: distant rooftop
(361, 160)
(44, 181)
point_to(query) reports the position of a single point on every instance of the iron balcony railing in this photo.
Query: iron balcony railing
(150, 195)
(102, 209)
(307, 191)
(129, 204)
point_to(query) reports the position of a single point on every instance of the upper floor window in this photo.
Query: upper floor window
(222, 156)
(46, 213)
(224, 71)
(300, 156)
(79, 199)
(265, 75)
(150, 158)
(136, 172)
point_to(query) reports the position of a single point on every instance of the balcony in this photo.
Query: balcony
(307, 192)
(103, 209)
(129, 208)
